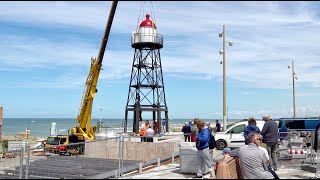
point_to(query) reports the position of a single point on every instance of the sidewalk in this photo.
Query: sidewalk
(172, 171)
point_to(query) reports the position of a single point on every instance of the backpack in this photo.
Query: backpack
(212, 142)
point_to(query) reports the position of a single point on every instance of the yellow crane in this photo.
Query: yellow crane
(84, 131)
(84, 117)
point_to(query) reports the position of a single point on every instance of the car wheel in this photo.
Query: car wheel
(220, 144)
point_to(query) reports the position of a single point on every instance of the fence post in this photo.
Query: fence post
(140, 168)
(27, 160)
(21, 160)
(172, 158)
(312, 152)
(119, 155)
(122, 152)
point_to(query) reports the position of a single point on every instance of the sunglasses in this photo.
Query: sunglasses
(260, 139)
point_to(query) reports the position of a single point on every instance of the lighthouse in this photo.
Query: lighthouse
(146, 94)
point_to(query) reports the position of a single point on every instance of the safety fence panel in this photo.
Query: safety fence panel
(296, 144)
(99, 159)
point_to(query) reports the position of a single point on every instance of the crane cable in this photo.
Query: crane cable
(152, 14)
(142, 4)
(153, 17)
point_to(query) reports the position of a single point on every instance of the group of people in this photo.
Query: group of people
(255, 160)
(269, 136)
(147, 132)
(190, 130)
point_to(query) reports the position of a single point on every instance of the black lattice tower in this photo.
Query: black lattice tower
(146, 89)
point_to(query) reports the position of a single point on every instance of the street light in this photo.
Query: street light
(223, 52)
(294, 77)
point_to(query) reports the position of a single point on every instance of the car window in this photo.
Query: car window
(237, 129)
(295, 124)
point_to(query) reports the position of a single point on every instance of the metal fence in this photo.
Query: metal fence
(99, 159)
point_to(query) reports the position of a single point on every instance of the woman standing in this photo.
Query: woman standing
(251, 127)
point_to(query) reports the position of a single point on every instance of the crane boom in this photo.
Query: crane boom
(84, 116)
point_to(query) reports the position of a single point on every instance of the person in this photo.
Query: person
(270, 138)
(218, 126)
(186, 129)
(190, 122)
(266, 153)
(226, 152)
(143, 129)
(149, 134)
(253, 161)
(155, 126)
(163, 123)
(316, 147)
(251, 127)
(194, 129)
(209, 127)
(202, 145)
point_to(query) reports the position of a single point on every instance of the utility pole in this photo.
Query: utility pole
(293, 92)
(224, 80)
(294, 77)
(223, 52)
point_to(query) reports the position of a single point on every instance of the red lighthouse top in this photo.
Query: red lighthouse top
(148, 22)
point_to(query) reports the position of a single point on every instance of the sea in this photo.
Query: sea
(41, 127)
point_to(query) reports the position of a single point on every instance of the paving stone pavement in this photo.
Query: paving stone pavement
(172, 171)
(286, 170)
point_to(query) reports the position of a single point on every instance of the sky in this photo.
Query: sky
(46, 49)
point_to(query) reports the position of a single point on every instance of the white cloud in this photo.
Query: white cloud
(267, 36)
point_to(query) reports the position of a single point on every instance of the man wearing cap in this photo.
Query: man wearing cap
(203, 155)
(226, 152)
(270, 138)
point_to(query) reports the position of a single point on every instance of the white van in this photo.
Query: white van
(234, 135)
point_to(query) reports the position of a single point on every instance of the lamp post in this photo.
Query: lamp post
(294, 77)
(223, 52)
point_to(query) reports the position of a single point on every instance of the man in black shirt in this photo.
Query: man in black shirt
(218, 126)
(186, 129)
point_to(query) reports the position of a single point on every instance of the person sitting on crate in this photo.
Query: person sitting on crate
(253, 161)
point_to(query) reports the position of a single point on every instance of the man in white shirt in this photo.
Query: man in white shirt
(149, 134)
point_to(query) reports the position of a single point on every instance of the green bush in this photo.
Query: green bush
(4, 145)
